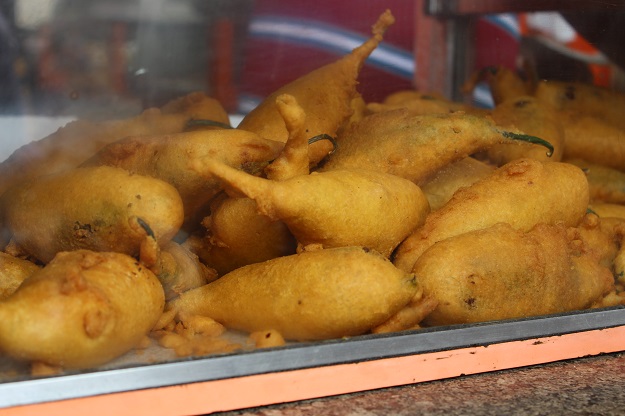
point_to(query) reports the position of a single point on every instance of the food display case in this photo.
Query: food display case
(91, 64)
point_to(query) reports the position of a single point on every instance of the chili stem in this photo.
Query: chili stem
(324, 136)
(529, 139)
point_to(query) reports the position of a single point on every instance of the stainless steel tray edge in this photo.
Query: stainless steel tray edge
(302, 355)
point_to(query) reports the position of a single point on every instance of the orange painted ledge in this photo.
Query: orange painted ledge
(280, 387)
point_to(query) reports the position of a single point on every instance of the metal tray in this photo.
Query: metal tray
(310, 370)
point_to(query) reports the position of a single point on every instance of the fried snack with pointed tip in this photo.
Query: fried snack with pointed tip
(313, 295)
(294, 158)
(606, 184)
(335, 208)
(503, 273)
(359, 110)
(178, 269)
(13, 271)
(522, 193)
(505, 84)
(415, 147)
(77, 141)
(97, 208)
(452, 177)
(81, 310)
(237, 235)
(325, 94)
(533, 117)
(605, 104)
(593, 140)
(167, 157)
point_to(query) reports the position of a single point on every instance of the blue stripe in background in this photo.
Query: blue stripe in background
(508, 22)
(329, 38)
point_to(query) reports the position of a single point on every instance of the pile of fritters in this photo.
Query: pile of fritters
(319, 216)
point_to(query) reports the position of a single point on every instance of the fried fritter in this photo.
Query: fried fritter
(79, 140)
(237, 235)
(593, 140)
(415, 147)
(505, 84)
(335, 208)
(602, 103)
(522, 193)
(606, 184)
(168, 157)
(97, 208)
(325, 94)
(533, 117)
(313, 295)
(13, 271)
(452, 177)
(502, 273)
(81, 310)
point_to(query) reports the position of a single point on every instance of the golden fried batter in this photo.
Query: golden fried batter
(79, 140)
(169, 158)
(505, 84)
(13, 271)
(335, 208)
(593, 140)
(237, 235)
(605, 104)
(452, 177)
(533, 117)
(419, 103)
(522, 193)
(325, 94)
(322, 294)
(81, 310)
(97, 208)
(415, 147)
(502, 273)
(607, 210)
(606, 184)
